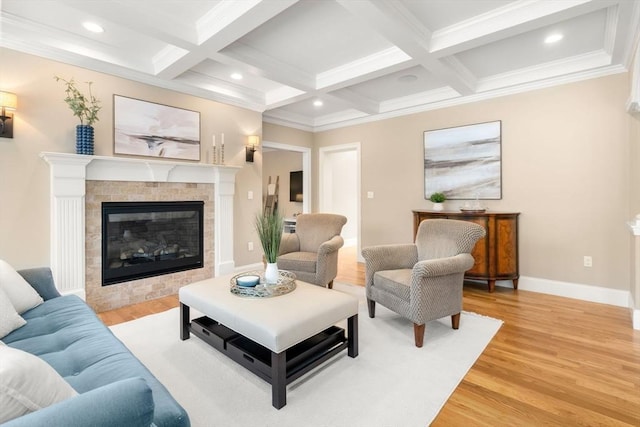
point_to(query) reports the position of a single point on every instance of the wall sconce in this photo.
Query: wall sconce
(8, 101)
(252, 143)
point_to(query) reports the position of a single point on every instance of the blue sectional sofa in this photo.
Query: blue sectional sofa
(114, 387)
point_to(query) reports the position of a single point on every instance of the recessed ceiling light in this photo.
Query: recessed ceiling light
(236, 76)
(93, 27)
(317, 103)
(553, 38)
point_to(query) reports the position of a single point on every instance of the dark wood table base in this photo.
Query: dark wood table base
(278, 369)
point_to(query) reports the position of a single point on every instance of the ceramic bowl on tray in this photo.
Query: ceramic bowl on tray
(247, 281)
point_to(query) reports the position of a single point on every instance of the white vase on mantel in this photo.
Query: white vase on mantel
(438, 206)
(271, 273)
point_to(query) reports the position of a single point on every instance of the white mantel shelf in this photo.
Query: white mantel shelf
(104, 168)
(68, 173)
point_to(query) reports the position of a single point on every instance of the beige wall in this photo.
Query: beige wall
(280, 163)
(285, 135)
(43, 122)
(565, 167)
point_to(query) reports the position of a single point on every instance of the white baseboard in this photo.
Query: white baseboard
(635, 314)
(579, 291)
(571, 290)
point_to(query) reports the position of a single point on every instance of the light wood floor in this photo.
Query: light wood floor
(555, 361)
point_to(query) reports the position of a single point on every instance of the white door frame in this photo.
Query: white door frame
(323, 152)
(306, 169)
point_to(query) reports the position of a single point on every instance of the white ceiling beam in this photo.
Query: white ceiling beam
(549, 70)
(334, 88)
(263, 65)
(623, 25)
(215, 85)
(510, 20)
(224, 24)
(395, 23)
(364, 66)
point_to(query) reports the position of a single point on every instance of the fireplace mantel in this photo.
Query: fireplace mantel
(68, 173)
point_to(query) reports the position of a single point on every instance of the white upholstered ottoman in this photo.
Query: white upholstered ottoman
(278, 338)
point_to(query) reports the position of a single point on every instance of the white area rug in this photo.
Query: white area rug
(390, 383)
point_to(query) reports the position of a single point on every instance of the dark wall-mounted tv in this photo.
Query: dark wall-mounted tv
(295, 186)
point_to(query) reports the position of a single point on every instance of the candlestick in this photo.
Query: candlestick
(214, 159)
(222, 149)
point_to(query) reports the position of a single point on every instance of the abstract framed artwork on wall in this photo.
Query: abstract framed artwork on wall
(143, 128)
(464, 162)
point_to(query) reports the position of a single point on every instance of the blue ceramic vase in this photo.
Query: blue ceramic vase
(84, 139)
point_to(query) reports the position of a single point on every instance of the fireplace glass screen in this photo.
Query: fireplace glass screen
(144, 239)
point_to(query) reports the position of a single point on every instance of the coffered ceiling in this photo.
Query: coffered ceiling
(361, 59)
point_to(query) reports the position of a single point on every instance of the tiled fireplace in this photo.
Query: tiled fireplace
(79, 185)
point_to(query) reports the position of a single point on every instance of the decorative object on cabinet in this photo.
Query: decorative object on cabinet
(144, 128)
(8, 101)
(464, 161)
(85, 108)
(496, 256)
(474, 207)
(438, 201)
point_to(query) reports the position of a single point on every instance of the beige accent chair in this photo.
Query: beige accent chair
(423, 281)
(312, 251)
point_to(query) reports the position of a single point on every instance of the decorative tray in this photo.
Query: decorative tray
(285, 284)
(470, 210)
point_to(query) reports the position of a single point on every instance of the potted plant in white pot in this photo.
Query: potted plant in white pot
(85, 108)
(438, 200)
(269, 227)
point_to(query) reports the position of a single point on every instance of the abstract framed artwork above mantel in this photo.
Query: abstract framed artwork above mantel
(143, 128)
(464, 162)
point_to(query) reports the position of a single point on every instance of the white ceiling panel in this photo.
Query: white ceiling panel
(395, 85)
(365, 59)
(313, 36)
(581, 35)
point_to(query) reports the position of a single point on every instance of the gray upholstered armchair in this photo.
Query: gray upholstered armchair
(312, 251)
(423, 281)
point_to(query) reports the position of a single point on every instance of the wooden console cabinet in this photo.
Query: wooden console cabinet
(496, 256)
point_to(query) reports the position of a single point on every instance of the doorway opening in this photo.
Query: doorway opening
(339, 188)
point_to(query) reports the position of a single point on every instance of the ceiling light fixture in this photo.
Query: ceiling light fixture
(93, 27)
(236, 76)
(318, 103)
(553, 38)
